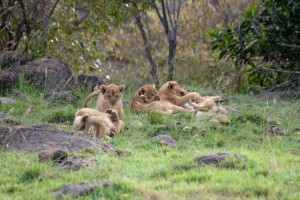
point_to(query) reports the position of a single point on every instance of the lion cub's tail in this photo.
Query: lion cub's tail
(91, 96)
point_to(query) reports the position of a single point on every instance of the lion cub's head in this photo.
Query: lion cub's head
(112, 93)
(173, 88)
(148, 94)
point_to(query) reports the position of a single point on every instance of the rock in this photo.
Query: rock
(5, 100)
(4, 133)
(8, 119)
(63, 97)
(275, 130)
(36, 139)
(18, 95)
(56, 155)
(214, 159)
(8, 80)
(75, 163)
(48, 73)
(79, 189)
(220, 119)
(225, 110)
(11, 59)
(166, 139)
(89, 82)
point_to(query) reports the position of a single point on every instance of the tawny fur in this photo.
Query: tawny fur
(173, 97)
(205, 103)
(106, 124)
(119, 124)
(146, 99)
(85, 118)
(109, 97)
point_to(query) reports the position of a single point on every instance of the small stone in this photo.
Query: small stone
(166, 139)
(57, 155)
(275, 130)
(214, 159)
(79, 189)
(75, 163)
(5, 100)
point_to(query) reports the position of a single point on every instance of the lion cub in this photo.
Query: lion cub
(173, 97)
(106, 123)
(146, 99)
(205, 103)
(87, 118)
(109, 97)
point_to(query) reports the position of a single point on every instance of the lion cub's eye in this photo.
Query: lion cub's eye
(117, 96)
(108, 96)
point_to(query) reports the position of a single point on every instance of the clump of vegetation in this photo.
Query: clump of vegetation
(60, 116)
(30, 175)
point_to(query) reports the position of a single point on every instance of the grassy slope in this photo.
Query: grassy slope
(149, 170)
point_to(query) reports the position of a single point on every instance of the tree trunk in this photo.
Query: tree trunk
(148, 50)
(172, 53)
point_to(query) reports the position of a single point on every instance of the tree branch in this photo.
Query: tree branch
(279, 70)
(289, 45)
(169, 15)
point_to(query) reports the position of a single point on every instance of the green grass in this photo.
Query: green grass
(146, 169)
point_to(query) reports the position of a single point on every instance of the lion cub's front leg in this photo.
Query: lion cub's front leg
(181, 100)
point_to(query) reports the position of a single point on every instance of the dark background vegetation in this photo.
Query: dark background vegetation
(237, 45)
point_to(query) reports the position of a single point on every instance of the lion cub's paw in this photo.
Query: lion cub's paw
(113, 114)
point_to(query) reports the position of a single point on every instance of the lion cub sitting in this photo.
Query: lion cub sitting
(106, 123)
(109, 97)
(146, 99)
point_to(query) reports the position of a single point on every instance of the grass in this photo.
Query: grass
(146, 169)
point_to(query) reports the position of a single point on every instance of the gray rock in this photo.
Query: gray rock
(56, 155)
(214, 159)
(166, 139)
(8, 119)
(11, 59)
(36, 139)
(75, 163)
(63, 96)
(79, 189)
(89, 82)
(18, 95)
(8, 79)
(5, 100)
(48, 73)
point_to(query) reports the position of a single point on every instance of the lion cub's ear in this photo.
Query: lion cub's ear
(170, 86)
(103, 89)
(142, 91)
(121, 88)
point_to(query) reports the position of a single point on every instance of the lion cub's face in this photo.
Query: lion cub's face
(148, 93)
(112, 93)
(175, 89)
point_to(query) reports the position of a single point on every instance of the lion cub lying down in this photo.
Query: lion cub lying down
(105, 123)
(109, 97)
(170, 98)
(205, 103)
(146, 99)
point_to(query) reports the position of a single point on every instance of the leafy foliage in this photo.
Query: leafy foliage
(268, 38)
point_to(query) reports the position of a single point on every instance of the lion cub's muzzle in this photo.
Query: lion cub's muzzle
(156, 98)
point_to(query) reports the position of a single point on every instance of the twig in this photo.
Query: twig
(280, 70)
